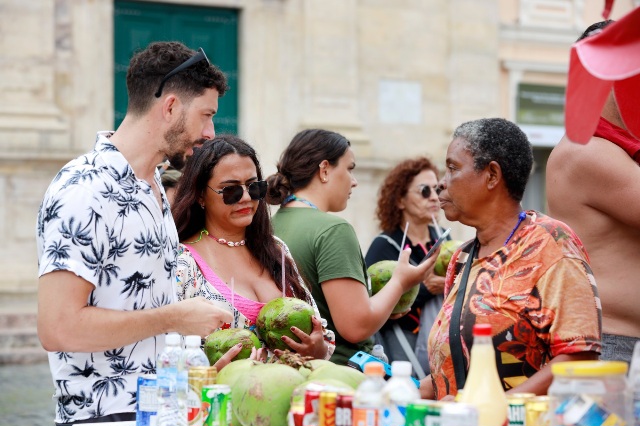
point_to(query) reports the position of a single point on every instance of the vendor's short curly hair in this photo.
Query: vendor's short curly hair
(499, 140)
(394, 187)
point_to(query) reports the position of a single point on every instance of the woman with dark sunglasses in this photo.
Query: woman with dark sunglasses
(228, 253)
(315, 177)
(408, 195)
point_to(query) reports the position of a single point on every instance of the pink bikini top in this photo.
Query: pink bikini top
(247, 307)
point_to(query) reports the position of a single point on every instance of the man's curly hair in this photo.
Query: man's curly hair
(395, 187)
(147, 68)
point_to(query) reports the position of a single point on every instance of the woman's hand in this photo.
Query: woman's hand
(426, 388)
(228, 357)
(435, 284)
(310, 344)
(409, 275)
(258, 354)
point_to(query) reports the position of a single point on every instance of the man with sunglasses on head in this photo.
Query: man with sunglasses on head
(107, 243)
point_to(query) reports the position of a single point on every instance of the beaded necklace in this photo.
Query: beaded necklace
(521, 217)
(293, 197)
(218, 240)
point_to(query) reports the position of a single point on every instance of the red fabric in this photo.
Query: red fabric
(608, 60)
(620, 137)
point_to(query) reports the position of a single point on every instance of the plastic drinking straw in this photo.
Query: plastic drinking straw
(283, 282)
(404, 237)
(233, 294)
(435, 224)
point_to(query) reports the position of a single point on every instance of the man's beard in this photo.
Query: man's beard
(177, 139)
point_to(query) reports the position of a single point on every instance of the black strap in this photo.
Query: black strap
(455, 340)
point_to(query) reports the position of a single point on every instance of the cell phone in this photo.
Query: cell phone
(439, 241)
(360, 358)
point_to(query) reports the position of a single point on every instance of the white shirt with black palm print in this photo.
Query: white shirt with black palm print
(100, 222)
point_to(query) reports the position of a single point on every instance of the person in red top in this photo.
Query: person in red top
(595, 189)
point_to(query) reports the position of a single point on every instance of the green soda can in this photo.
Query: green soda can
(216, 405)
(417, 412)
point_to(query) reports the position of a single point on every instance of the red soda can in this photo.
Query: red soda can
(327, 408)
(343, 410)
(311, 402)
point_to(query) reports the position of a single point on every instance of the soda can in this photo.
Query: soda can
(537, 411)
(517, 410)
(216, 405)
(147, 400)
(417, 411)
(311, 409)
(434, 409)
(198, 378)
(327, 408)
(458, 414)
(343, 409)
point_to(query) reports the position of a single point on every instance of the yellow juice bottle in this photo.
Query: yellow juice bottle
(483, 388)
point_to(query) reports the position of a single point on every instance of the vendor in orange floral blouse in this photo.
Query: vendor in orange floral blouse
(528, 274)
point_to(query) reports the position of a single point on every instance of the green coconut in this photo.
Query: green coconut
(263, 396)
(276, 318)
(444, 257)
(231, 373)
(220, 341)
(347, 375)
(317, 363)
(234, 370)
(380, 273)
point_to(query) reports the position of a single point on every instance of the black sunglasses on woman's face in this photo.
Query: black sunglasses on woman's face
(199, 56)
(425, 190)
(233, 193)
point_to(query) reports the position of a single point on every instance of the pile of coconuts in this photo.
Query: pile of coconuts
(261, 393)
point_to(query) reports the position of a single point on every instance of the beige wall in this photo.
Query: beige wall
(394, 76)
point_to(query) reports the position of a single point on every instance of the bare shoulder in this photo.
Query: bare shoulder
(576, 159)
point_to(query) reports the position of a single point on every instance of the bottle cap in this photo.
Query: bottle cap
(482, 330)
(401, 368)
(172, 339)
(192, 340)
(374, 369)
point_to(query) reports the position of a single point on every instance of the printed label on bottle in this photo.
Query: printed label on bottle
(365, 416)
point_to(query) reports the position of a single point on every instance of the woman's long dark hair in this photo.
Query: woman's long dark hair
(190, 217)
(300, 161)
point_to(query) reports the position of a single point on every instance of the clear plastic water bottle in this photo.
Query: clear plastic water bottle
(368, 403)
(378, 352)
(399, 391)
(169, 411)
(189, 395)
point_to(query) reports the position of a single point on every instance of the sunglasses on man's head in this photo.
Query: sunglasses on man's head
(233, 193)
(425, 190)
(199, 56)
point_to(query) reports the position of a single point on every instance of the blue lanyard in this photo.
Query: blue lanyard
(293, 197)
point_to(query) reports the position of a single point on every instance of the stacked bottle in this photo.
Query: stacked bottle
(192, 357)
(483, 388)
(398, 393)
(170, 411)
(368, 402)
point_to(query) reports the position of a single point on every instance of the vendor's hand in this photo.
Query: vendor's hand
(400, 315)
(435, 284)
(310, 344)
(228, 357)
(409, 275)
(426, 388)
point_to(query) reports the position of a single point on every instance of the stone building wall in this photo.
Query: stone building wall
(394, 76)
